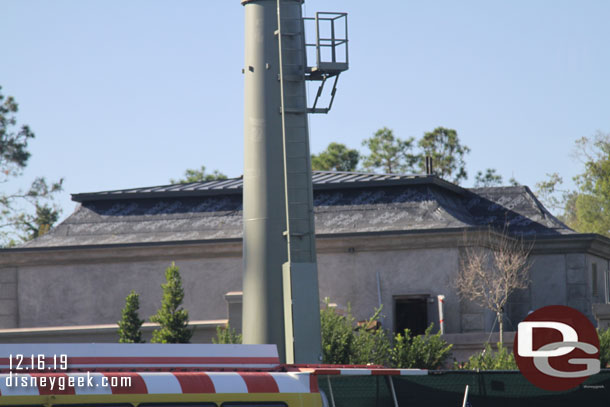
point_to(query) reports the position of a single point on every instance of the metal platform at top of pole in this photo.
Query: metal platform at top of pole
(281, 304)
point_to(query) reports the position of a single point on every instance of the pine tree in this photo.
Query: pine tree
(447, 153)
(130, 323)
(388, 153)
(172, 318)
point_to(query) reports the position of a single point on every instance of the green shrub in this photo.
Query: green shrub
(343, 342)
(502, 359)
(226, 335)
(604, 347)
(130, 323)
(371, 343)
(420, 351)
(172, 318)
(337, 335)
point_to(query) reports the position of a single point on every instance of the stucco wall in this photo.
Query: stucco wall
(602, 278)
(548, 280)
(351, 278)
(9, 310)
(80, 294)
(564, 279)
(83, 294)
(69, 287)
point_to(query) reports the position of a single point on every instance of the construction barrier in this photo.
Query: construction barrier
(446, 388)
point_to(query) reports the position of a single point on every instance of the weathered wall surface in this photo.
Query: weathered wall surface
(351, 278)
(69, 287)
(567, 279)
(597, 281)
(548, 280)
(88, 286)
(63, 291)
(8, 297)
(83, 294)
(564, 279)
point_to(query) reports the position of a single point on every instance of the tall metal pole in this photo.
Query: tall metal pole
(264, 214)
(280, 274)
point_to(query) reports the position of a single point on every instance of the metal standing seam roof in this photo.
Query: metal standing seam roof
(321, 180)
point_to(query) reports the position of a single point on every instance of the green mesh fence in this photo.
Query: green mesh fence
(357, 391)
(446, 388)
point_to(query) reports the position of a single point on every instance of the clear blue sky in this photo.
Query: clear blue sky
(129, 94)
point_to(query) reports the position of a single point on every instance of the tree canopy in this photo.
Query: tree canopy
(389, 153)
(30, 212)
(592, 204)
(336, 157)
(13, 141)
(447, 153)
(490, 179)
(198, 175)
(587, 208)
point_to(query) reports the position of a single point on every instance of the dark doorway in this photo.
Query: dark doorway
(411, 313)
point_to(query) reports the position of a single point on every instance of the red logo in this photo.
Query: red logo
(556, 348)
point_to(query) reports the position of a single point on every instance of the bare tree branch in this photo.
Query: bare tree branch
(492, 269)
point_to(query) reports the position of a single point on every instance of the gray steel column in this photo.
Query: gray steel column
(300, 273)
(269, 266)
(264, 210)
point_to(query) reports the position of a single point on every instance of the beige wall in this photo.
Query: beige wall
(352, 278)
(9, 311)
(95, 293)
(68, 287)
(81, 294)
(602, 270)
(88, 286)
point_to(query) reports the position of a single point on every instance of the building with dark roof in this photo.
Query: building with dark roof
(393, 240)
(345, 203)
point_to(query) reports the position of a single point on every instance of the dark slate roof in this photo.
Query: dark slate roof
(344, 203)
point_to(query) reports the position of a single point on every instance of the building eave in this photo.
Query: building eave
(326, 243)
